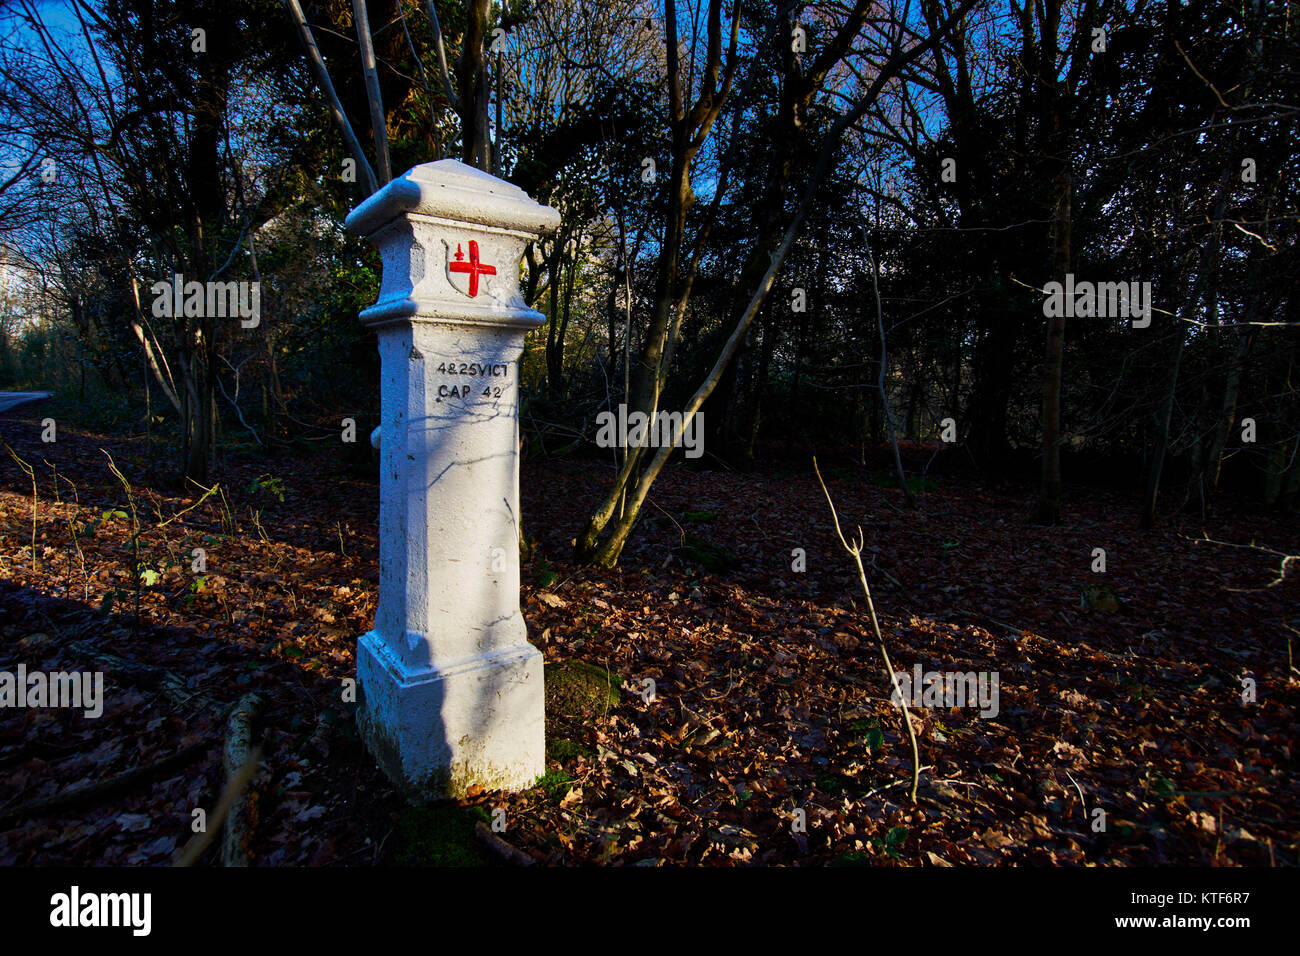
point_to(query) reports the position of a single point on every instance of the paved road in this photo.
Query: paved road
(9, 399)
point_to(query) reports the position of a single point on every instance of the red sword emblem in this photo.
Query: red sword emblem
(473, 268)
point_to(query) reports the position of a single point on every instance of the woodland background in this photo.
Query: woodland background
(902, 299)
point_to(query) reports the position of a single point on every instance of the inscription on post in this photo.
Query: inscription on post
(464, 370)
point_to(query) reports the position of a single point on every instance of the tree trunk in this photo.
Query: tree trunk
(993, 367)
(1148, 518)
(765, 350)
(1047, 511)
(909, 500)
(472, 80)
(1205, 480)
(554, 342)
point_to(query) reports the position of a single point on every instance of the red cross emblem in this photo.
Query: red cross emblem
(473, 268)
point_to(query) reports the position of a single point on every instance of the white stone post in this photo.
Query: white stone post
(451, 691)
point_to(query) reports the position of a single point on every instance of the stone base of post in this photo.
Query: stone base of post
(437, 732)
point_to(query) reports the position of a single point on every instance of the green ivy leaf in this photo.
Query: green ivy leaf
(1163, 786)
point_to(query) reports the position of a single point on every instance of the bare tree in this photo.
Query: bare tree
(897, 54)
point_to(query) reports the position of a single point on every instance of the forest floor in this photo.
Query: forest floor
(771, 704)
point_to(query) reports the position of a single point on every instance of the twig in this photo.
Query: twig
(888, 786)
(1083, 804)
(135, 533)
(206, 494)
(731, 683)
(680, 530)
(1290, 657)
(1281, 571)
(889, 577)
(980, 616)
(31, 473)
(499, 847)
(120, 781)
(169, 685)
(855, 549)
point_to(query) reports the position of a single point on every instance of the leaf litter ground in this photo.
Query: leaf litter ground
(770, 704)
